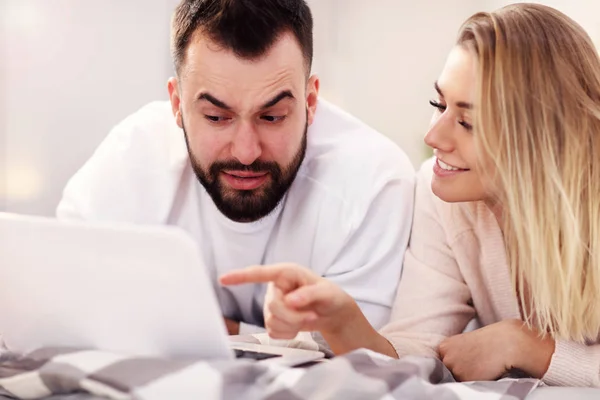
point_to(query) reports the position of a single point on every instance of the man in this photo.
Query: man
(253, 165)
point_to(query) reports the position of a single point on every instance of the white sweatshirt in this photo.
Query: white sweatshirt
(347, 216)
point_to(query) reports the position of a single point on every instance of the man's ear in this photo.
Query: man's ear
(312, 97)
(175, 98)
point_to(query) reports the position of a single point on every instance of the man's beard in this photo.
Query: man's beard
(248, 205)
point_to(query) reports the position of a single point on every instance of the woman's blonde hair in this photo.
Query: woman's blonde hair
(537, 129)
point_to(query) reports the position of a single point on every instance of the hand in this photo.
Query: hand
(297, 299)
(490, 352)
(233, 327)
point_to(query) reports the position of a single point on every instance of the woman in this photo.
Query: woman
(507, 220)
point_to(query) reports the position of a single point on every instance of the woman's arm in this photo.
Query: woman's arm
(574, 364)
(358, 333)
(433, 301)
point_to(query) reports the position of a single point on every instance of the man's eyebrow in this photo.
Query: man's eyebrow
(286, 94)
(460, 104)
(214, 101)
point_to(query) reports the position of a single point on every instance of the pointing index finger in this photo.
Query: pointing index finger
(254, 274)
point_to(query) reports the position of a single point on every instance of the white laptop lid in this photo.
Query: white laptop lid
(128, 289)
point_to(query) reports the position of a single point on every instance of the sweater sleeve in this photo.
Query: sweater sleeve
(433, 301)
(574, 364)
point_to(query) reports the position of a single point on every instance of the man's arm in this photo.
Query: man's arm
(233, 327)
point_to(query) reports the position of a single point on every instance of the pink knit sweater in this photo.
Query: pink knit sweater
(456, 269)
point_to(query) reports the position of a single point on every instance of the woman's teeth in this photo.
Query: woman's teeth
(447, 167)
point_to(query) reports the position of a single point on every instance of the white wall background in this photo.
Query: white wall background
(3, 103)
(379, 59)
(71, 69)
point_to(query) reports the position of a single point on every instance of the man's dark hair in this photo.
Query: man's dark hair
(247, 27)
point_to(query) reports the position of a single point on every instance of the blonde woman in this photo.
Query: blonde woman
(507, 219)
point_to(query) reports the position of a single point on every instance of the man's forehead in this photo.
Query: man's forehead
(204, 56)
(239, 93)
(239, 82)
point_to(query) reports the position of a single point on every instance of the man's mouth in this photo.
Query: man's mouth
(244, 180)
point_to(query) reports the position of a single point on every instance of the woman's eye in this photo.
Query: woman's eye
(437, 105)
(466, 125)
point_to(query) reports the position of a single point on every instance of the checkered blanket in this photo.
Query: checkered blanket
(88, 374)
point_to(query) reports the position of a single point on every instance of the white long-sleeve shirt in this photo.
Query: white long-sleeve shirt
(347, 216)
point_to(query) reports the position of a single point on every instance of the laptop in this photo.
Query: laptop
(130, 289)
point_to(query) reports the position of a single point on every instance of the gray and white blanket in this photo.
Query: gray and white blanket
(88, 374)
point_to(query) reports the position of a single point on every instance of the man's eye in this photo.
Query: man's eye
(214, 118)
(273, 118)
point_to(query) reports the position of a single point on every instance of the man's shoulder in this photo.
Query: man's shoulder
(349, 166)
(142, 157)
(345, 154)
(151, 128)
(335, 131)
(148, 137)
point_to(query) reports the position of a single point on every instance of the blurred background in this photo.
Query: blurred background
(72, 69)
